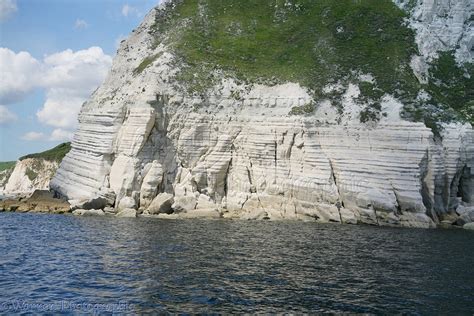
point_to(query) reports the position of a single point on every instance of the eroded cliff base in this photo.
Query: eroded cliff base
(166, 137)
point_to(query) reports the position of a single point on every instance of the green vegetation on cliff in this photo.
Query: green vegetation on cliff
(6, 169)
(4, 165)
(145, 63)
(315, 43)
(55, 154)
(311, 42)
(453, 85)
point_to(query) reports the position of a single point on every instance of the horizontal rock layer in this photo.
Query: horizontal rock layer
(246, 157)
(286, 167)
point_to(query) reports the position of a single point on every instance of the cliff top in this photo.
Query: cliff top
(4, 165)
(316, 44)
(54, 154)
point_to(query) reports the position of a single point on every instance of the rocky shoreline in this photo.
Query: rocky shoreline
(149, 143)
(41, 201)
(44, 201)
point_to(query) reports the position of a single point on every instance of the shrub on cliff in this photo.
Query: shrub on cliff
(55, 154)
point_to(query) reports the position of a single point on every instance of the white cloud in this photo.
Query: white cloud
(68, 77)
(33, 136)
(128, 10)
(81, 24)
(57, 135)
(61, 108)
(7, 8)
(20, 75)
(81, 71)
(6, 116)
(61, 135)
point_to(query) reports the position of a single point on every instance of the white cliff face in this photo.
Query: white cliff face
(4, 176)
(29, 175)
(443, 25)
(246, 157)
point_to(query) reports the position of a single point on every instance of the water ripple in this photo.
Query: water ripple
(240, 267)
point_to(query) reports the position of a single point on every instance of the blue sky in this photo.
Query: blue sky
(53, 54)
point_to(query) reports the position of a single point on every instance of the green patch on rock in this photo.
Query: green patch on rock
(370, 113)
(145, 63)
(302, 110)
(371, 96)
(31, 174)
(452, 85)
(450, 94)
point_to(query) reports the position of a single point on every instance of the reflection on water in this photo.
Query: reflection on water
(234, 266)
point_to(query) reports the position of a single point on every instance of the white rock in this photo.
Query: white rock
(184, 203)
(161, 204)
(128, 212)
(82, 212)
(110, 210)
(464, 209)
(468, 226)
(167, 216)
(202, 213)
(378, 200)
(205, 202)
(29, 175)
(254, 215)
(126, 203)
(149, 188)
(123, 175)
(443, 25)
(348, 216)
(467, 216)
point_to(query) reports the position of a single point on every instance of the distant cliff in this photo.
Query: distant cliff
(32, 172)
(329, 111)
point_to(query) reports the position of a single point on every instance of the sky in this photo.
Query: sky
(53, 55)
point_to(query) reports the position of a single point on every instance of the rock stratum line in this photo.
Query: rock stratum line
(142, 144)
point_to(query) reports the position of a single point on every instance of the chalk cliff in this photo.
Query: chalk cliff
(276, 149)
(32, 172)
(29, 175)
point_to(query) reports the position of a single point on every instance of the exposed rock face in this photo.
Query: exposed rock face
(127, 202)
(469, 226)
(128, 212)
(4, 176)
(30, 174)
(247, 158)
(161, 204)
(151, 183)
(443, 25)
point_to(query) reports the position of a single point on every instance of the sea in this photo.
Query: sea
(53, 264)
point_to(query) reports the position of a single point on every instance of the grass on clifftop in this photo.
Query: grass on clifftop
(4, 165)
(315, 43)
(55, 154)
(306, 41)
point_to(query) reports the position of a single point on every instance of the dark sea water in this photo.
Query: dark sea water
(52, 263)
